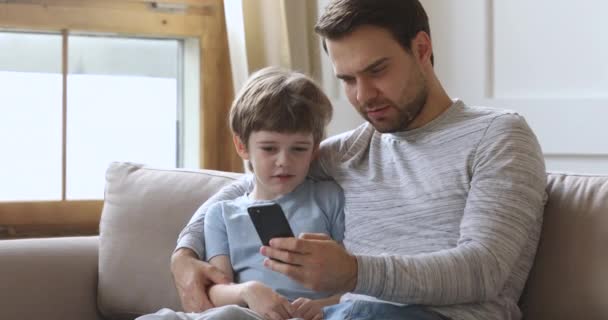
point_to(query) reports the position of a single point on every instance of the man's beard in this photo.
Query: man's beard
(407, 112)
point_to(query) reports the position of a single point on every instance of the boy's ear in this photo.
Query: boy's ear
(241, 148)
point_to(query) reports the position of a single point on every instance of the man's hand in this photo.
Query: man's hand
(192, 277)
(265, 302)
(315, 261)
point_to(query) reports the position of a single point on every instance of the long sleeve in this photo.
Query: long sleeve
(500, 226)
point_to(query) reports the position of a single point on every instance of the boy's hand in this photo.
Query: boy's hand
(266, 302)
(309, 309)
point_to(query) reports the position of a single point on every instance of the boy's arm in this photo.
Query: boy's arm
(255, 295)
(225, 294)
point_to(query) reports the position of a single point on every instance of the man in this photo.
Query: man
(444, 201)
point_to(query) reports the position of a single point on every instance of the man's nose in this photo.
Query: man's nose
(366, 91)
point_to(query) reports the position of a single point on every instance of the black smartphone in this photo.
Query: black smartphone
(270, 222)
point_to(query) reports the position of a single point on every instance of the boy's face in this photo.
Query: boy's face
(280, 161)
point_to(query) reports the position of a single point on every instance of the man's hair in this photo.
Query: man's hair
(274, 99)
(402, 18)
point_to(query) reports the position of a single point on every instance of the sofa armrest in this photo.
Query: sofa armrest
(52, 278)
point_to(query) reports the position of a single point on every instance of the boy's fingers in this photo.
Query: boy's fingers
(289, 309)
(297, 303)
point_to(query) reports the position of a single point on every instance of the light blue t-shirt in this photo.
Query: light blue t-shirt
(313, 207)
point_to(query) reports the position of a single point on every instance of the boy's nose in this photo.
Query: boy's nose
(281, 160)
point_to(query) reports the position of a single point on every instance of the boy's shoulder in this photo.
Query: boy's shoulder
(326, 193)
(324, 186)
(228, 206)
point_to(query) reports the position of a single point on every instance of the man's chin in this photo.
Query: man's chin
(384, 127)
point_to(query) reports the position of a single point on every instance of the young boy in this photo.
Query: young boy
(278, 120)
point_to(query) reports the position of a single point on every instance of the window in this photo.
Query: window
(90, 82)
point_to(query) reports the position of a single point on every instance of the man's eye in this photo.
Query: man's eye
(348, 81)
(378, 70)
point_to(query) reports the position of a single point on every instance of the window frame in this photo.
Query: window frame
(202, 19)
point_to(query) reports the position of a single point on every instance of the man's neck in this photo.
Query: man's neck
(436, 104)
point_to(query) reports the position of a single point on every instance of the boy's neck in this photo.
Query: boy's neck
(261, 194)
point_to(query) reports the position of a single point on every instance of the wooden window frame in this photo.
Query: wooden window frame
(203, 19)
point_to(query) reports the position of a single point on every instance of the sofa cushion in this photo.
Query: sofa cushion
(568, 279)
(144, 211)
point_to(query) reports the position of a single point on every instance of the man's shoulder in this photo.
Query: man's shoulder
(487, 113)
(491, 118)
(349, 137)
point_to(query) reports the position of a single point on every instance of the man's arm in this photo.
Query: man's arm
(500, 228)
(499, 231)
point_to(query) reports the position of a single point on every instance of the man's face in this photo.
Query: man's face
(382, 80)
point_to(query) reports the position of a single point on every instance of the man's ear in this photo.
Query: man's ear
(241, 148)
(422, 47)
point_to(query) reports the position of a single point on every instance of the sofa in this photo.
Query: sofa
(124, 272)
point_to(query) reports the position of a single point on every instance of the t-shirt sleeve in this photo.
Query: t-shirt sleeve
(193, 236)
(216, 235)
(331, 197)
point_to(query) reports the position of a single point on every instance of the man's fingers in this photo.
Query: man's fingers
(205, 303)
(318, 317)
(314, 236)
(282, 255)
(290, 244)
(292, 271)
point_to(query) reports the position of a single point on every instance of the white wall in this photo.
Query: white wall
(543, 58)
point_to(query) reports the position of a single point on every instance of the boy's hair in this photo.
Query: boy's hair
(402, 18)
(278, 100)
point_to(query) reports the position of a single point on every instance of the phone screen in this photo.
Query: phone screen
(270, 222)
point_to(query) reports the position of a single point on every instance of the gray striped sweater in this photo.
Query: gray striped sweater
(447, 215)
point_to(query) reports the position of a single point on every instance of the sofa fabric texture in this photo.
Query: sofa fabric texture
(125, 271)
(144, 211)
(569, 279)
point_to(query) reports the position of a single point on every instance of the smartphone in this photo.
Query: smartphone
(270, 222)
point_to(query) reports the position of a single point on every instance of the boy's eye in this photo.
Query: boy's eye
(300, 149)
(268, 149)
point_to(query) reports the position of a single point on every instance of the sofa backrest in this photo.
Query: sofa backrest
(569, 279)
(144, 211)
(146, 208)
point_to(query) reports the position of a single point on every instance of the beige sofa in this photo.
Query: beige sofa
(125, 271)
